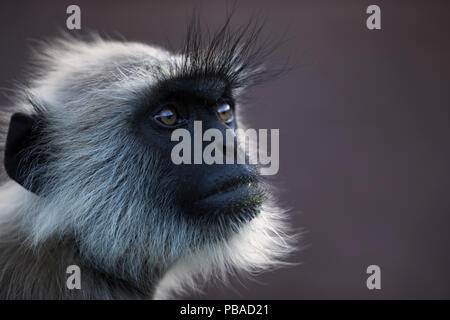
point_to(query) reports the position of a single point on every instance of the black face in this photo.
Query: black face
(216, 190)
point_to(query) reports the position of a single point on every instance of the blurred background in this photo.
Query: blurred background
(364, 130)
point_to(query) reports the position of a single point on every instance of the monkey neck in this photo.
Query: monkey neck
(41, 273)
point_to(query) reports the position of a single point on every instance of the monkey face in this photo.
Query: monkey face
(214, 192)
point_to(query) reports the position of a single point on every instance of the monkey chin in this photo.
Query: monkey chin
(234, 203)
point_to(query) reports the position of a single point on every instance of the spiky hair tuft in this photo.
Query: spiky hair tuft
(235, 55)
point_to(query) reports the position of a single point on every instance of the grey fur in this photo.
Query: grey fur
(103, 209)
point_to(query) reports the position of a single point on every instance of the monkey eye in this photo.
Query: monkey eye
(167, 116)
(225, 113)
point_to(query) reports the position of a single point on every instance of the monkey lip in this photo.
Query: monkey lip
(233, 189)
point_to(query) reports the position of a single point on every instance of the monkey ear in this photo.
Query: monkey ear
(22, 133)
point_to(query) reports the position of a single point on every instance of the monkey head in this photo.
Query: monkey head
(92, 146)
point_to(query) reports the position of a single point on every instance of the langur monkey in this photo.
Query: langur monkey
(89, 180)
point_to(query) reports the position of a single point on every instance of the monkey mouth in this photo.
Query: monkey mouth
(231, 186)
(234, 195)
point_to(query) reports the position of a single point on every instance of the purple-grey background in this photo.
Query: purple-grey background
(364, 130)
